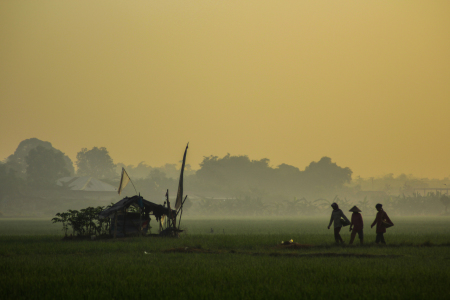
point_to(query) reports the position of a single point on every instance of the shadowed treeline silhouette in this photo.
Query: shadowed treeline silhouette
(233, 185)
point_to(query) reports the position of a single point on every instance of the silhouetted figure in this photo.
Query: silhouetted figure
(212, 231)
(336, 216)
(356, 226)
(380, 230)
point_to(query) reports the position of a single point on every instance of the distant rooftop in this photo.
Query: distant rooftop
(88, 184)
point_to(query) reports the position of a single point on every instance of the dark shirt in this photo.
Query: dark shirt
(381, 215)
(357, 221)
(336, 216)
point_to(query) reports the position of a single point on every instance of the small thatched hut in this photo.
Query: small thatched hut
(126, 223)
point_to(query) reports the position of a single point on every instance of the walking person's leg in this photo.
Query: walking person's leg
(352, 237)
(337, 236)
(361, 236)
(382, 238)
(378, 238)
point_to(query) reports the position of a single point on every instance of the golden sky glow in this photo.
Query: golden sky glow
(366, 83)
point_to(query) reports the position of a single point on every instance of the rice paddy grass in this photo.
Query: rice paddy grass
(241, 259)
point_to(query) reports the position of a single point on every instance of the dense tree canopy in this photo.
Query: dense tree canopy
(17, 161)
(10, 184)
(229, 176)
(326, 174)
(95, 163)
(44, 167)
(240, 175)
(233, 174)
(142, 170)
(155, 185)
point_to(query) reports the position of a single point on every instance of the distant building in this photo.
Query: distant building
(75, 193)
(85, 183)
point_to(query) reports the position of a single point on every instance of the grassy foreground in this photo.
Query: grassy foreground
(242, 259)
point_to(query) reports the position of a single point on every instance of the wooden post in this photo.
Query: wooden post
(168, 206)
(140, 221)
(181, 208)
(124, 221)
(115, 224)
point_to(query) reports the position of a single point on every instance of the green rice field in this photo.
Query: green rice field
(241, 259)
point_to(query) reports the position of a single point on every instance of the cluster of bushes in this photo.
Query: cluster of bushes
(84, 222)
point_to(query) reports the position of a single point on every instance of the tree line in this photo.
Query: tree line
(37, 164)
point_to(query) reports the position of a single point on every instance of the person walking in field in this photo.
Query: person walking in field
(356, 226)
(381, 229)
(336, 216)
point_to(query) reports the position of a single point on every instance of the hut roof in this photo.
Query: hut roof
(157, 210)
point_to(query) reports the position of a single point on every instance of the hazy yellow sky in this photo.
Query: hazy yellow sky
(366, 83)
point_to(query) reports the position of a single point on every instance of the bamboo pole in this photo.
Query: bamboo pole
(124, 221)
(140, 221)
(181, 208)
(170, 210)
(115, 224)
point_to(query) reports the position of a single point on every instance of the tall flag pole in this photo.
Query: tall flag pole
(124, 179)
(180, 184)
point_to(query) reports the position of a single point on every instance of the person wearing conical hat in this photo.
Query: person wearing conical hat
(336, 216)
(356, 225)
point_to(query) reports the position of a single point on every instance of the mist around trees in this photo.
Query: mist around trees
(95, 163)
(44, 167)
(224, 185)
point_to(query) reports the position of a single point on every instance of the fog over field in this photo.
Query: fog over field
(39, 180)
